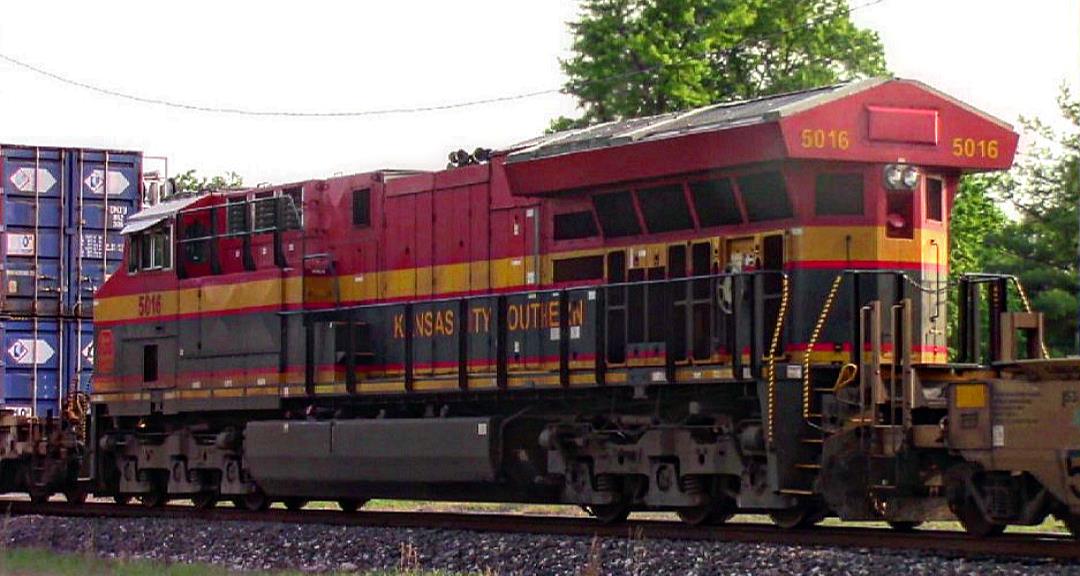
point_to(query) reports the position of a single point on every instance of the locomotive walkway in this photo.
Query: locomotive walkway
(939, 542)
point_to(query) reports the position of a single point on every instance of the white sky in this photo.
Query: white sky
(1003, 56)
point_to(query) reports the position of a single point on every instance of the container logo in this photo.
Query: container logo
(20, 244)
(88, 352)
(24, 179)
(117, 184)
(30, 351)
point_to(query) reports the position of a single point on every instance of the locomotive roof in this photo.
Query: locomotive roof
(151, 215)
(715, 117)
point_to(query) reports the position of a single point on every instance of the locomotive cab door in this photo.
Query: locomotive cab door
(772, 263)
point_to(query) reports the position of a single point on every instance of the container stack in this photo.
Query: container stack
(61, 213)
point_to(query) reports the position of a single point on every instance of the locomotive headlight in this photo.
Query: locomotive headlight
(894, 175)
(911, 177)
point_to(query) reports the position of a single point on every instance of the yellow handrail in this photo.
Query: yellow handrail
(830, 299)
(771, 360)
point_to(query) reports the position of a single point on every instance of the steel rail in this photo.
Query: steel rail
(936, 542)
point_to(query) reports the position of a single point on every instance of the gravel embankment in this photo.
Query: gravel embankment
(266, 546)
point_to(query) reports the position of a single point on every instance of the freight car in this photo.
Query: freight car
(61, 210)
(736, 308)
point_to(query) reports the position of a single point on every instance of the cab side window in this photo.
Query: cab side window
(150, 250)
(361, 207)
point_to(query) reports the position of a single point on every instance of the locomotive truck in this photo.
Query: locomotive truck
(737, 308)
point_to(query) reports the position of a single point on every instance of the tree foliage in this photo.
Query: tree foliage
(975, 217)
(643, 57)
(190, 182)
(1039, 246)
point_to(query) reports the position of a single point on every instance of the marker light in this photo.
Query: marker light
(911, 177)
(894, 176)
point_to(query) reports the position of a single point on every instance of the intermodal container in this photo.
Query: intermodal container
(61, 212)
(33, 365)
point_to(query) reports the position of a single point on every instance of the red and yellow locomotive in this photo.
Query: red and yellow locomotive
(736, 308)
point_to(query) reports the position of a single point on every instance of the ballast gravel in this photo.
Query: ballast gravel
(321, 548)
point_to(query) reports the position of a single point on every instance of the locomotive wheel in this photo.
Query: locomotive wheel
(39, 491)
(39, 494)
(256, 501)
(204, 500)
(350, 505)
(713, 512)
(614, 513)
(974, 521)
(800, 516)
(294, 504)
(75, 495)
(155, 498)
(122, 499)
(961, 482)
(904, 525)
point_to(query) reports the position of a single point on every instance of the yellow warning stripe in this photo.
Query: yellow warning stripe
(820, 243)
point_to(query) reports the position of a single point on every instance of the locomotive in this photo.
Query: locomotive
(737, 308)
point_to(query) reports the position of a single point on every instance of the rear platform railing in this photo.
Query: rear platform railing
(979, 294)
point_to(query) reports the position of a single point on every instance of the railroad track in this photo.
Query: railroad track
(940, 542)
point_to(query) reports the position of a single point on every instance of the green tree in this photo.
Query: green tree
(975, 218)
(1040, 245)
(643, 57)
(190, 182)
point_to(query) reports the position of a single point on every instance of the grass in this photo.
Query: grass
(37, 562)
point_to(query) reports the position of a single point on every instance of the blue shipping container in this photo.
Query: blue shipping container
(61, 212)
(33, 365)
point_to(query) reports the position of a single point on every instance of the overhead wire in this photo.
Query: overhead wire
(151, 100)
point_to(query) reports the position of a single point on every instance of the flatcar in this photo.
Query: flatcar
(738, 308)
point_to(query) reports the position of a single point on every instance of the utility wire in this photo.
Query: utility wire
(388, 111)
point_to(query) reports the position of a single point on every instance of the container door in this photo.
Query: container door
(32, 365)
(105, 190)
(33, 188)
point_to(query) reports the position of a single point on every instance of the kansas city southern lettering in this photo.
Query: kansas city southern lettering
(480, 319)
